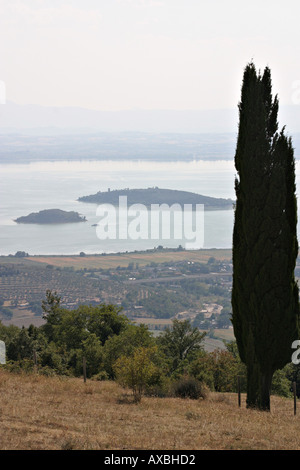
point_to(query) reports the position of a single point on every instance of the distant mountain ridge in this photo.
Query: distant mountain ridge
(15, 117)
(39, 133)
(150, 196)
(50, 119)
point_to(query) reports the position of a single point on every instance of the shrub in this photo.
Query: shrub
(137, 371)
(281, 385)
(189, 387)
(19, 367)
(101, 376)
(162, 388)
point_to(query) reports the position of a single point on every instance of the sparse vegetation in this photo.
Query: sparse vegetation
(52, 413)
(175, 365)
(189, 387)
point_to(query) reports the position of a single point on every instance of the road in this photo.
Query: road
(178, 278)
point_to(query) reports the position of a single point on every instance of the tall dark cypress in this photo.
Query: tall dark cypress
(265, 302)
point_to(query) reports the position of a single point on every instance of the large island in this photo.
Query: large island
(51, 216)
(158, 196)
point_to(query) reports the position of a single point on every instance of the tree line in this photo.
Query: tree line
(114, 348)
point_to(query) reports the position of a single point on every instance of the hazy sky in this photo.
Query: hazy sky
(149, 54)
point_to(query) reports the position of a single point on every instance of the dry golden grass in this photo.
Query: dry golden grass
(113, 260)
(226, 334)
(52, 413)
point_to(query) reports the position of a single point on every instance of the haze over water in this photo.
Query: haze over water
(26, 188)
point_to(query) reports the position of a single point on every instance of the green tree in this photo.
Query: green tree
(105, 320)
(218, 370)
(52, 313)
(20, 347)
(180, 342)
(280, 384)
(92, 350)
(124, 344)
(138, 370)
(71, 327)
(265, 307)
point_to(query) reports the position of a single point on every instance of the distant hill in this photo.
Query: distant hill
(15, 117)
(157, 196)
(51, 216)
(28, 147)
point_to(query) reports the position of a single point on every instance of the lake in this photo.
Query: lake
(26, 188)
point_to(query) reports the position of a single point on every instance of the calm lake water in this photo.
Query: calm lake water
(26, 188)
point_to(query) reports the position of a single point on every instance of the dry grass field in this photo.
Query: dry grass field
(40, 413)
(23, 317)
(143, 258)
(225, 334)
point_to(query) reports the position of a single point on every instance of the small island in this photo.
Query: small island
(158, 196)
(51, 216)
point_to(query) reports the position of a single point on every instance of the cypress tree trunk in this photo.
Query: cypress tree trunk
(266, 383)
(265, 307)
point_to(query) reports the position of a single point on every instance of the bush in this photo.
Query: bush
(189, 387)
(281, 385)
(20, 367)
(218, 369)
(138, 371)
(161, 389)
(101, 376)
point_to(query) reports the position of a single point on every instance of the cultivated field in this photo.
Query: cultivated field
(226, 334)
(122, 260)
(52, 413)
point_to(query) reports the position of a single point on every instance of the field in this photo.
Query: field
(157, 285)
(23, 317)
(226, 334)
(142, 258)
(48, 413)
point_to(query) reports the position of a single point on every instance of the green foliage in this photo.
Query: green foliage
(148, 365)
(7, 333)
(70, 327)
(66, 337)
(21, 345)
(24, 366)
(6, 313)
(265, 304)
(163, 304)
(124, 344)
(202, 368)
(180, 343)
(138, 370)
(225, 369)
(281, 385)
(189, 387)
(55, 359)
(219, 369)
(92, 350)
(51, 309)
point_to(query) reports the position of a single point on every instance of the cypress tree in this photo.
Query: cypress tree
(265, 305)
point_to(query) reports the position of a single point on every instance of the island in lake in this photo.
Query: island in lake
(51, 216)
(158, 196)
